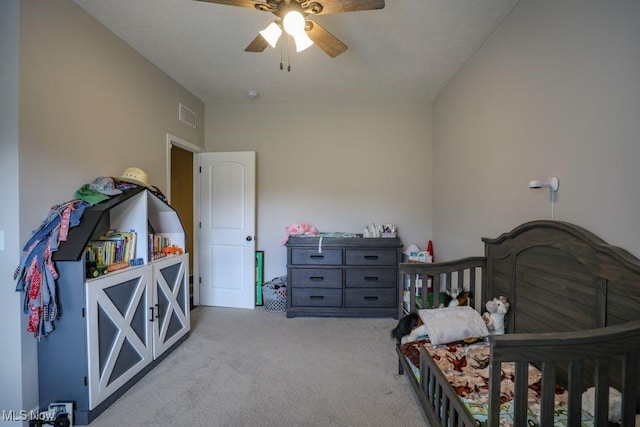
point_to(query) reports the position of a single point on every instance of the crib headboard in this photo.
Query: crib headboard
(560, 277)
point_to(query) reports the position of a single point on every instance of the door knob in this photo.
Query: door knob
(249, 238)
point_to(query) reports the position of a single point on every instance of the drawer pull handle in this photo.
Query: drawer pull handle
(318, 297)
(371, 278)
(370, 298)
(316, 256)
(316, 278)
(371, 257)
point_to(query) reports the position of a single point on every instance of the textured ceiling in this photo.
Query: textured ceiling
(406, 52)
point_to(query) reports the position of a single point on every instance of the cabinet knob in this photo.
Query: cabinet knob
(249, 238)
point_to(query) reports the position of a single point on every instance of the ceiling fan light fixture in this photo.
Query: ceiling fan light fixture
(302, 41)
(271, 34)
(293, 23)
(296, 11)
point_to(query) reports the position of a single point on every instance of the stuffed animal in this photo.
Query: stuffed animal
(494, 317)
(299, 230)
(615, 403)
(409, 328)
(456, 298)
(417, 332)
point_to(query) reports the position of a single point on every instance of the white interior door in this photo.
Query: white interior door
(227, 229)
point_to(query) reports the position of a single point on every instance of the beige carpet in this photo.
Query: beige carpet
(255, 368)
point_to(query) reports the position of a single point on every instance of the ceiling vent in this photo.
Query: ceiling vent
(186, 115)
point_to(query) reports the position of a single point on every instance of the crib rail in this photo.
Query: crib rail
(445, 408)
(464, 274)
(605, 347)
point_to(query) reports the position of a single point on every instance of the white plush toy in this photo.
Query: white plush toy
(494, 317)
(615, 403)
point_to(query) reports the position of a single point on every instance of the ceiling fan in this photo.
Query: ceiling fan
(292, 18)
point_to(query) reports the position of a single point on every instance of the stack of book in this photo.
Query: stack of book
(112, 247)
(156, 244)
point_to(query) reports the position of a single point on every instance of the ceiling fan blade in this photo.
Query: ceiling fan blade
(240, 3)
(325, 40)
(337, 6)
(259, 44)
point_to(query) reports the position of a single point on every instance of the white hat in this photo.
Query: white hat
(136, 176)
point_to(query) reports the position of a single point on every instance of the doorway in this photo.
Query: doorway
(181, 190)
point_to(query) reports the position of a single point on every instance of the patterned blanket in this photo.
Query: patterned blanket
(466, 367)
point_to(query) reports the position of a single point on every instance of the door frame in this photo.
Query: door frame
(186, 145)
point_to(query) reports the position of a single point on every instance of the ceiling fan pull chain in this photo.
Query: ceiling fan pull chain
(288, 54)
(281, 65)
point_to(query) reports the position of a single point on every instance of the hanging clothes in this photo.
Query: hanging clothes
(36, 275)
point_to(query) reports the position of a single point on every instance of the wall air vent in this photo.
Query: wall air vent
(186, 115)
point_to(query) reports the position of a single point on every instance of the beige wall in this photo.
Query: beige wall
(336, 166)
(554, 91)
(89, 105)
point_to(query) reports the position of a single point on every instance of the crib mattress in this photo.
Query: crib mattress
(466, 367)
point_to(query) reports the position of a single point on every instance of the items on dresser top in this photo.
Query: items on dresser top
(380, 230)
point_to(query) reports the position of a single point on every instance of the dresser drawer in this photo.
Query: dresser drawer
(371, 278)
(370, 297)
(312, 257)
(371, 257)
(316, 277)
(316, 297)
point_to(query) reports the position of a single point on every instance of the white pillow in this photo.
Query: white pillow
(449, 324)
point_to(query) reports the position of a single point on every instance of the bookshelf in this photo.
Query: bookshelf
(136, 209)
(115, 327)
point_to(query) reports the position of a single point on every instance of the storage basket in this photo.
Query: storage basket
(274, 295)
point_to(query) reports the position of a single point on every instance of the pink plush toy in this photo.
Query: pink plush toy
(299, 230)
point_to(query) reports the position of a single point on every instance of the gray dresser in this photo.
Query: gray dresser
(335, 276)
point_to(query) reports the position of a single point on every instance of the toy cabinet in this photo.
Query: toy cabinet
(115, 328)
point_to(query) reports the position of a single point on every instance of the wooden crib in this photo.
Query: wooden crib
(574, 314)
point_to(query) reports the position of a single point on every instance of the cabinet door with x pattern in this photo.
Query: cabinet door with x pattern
(170, 302)
(119, 331)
